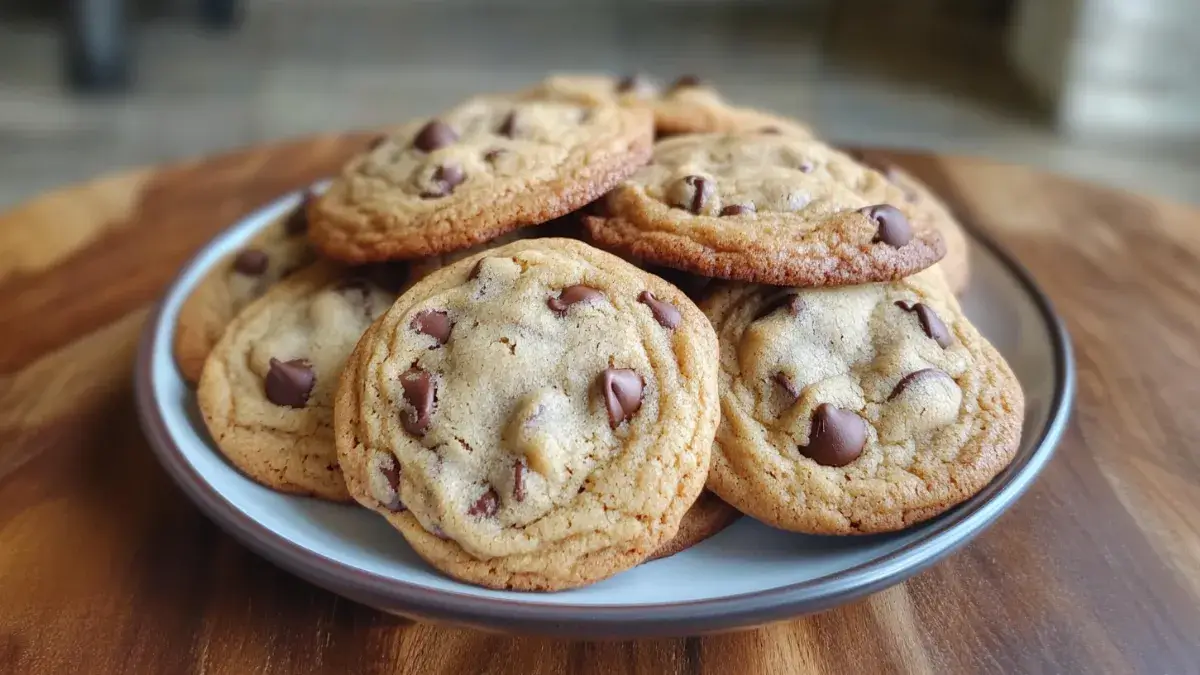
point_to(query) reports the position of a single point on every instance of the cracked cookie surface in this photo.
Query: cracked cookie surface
(538, 416)
(479, 170)
(766, 208)
(857, 410)
(266, 392)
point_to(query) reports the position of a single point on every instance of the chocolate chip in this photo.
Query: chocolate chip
(572, 295)
(421, 393)
(297, 220)
(630, 83)
(445, 179)
(391, 473)
(251, 262)
(907, 381)
(509, 126)
(487, 505)
(787, 384)
(492, 155)
(450, 174)
(738, 210)
(476, 270)
(931, 323)
(622, 394)
(434, 135)
(686, 81)
(837, 436)
(376, 142)
(434, 323)
(770, 130)
(792, 301)
(519, 481)
(695, 194)
(289, 383)
(664, 313)
(894, 229)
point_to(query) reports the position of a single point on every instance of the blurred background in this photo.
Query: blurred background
(1103, 89)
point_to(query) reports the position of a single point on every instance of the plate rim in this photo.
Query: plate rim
(947, 534)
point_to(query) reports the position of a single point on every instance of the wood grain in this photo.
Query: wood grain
(106, 568)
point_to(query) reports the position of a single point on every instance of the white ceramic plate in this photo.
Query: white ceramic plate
(748, 574)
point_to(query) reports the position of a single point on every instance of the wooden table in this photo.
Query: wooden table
(106, 568)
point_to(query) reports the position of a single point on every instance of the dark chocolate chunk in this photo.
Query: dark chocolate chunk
(434, 135)
(434, 323)
(572, 295)
(664, 312)
(894, 229)
(623, 390)
(251, 262)
(289, 383)
(837, 436)
(420, 392)
(931, 323)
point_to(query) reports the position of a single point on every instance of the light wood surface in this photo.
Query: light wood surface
(105, 567)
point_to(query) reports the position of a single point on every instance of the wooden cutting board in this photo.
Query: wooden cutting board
(105, 567)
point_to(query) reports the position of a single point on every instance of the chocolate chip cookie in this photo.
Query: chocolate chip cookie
(267, 389)
(487, 167)
(538, 416)
(280, 249)
(766, 208)
(927, 206)
(858, 409)
(687, 106)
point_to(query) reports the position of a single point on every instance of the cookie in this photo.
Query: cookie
(561, 227)
(956, 266)
(859, 409)
(766, 208)
(538, 416)
(280, 249)
(708, 516)
(267, 388)
(687, 106)
(487, 167)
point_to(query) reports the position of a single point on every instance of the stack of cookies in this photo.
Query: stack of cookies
(551, 335)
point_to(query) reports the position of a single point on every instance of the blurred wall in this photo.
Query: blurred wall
(1129, 67)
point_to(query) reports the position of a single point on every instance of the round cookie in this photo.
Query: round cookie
(859, 409)
(927, 206)
(708, 516)
(538, 416)
(280, 249)
(484, 168)
(766, 208)
(267, 388)
(686, 107)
